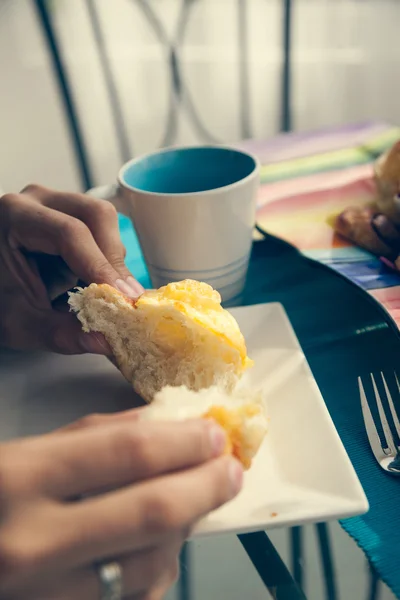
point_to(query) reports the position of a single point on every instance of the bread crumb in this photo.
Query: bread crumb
(274, 514)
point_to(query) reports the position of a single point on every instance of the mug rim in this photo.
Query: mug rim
(220, 189)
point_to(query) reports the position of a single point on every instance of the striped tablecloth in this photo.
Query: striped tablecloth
(306, 178)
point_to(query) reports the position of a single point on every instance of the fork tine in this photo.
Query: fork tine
(391, 405)
(385, 425)
(370, 426)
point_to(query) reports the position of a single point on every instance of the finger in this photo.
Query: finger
(35, 328)
(143, 575)
(99, 215)
(65, 336)
(100, 420)
(144, 515)
(121, 453)
(57, 331)
(355, 224)
(52, 232)
(387, 232)
(101, 218)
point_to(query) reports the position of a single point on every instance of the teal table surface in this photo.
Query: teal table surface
(344, 334)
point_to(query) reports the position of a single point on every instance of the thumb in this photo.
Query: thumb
(64, 335)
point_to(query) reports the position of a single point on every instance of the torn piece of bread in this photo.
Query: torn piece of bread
(241, 414)
(177, 335)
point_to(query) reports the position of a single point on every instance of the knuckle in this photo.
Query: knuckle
(117, 258)
(101, 270)
(161, 515)
(117, 443)
(105, 209)
(34, 189)
(7, 201)
(100, 213)
(137, 443)
(71, 229)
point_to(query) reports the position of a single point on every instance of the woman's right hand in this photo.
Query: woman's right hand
(144, 485)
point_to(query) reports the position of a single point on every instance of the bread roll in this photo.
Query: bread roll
(241, 414)
(178, 335)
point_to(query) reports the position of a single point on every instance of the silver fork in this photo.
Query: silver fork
(387, 455)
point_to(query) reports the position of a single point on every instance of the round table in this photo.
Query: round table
(40, 391)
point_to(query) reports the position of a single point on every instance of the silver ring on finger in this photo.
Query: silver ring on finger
(111, 584)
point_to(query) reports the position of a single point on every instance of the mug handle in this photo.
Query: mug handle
(112, 193)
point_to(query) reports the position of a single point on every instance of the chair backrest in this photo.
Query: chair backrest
(138, 74)
(181, 98)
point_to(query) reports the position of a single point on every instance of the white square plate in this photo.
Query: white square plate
(302, 472)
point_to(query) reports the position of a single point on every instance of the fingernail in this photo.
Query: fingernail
(129, 290)
(378, 220)
(235, 476)
(94, 343)
(126, 289)
(217, 439)
(135, 285)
